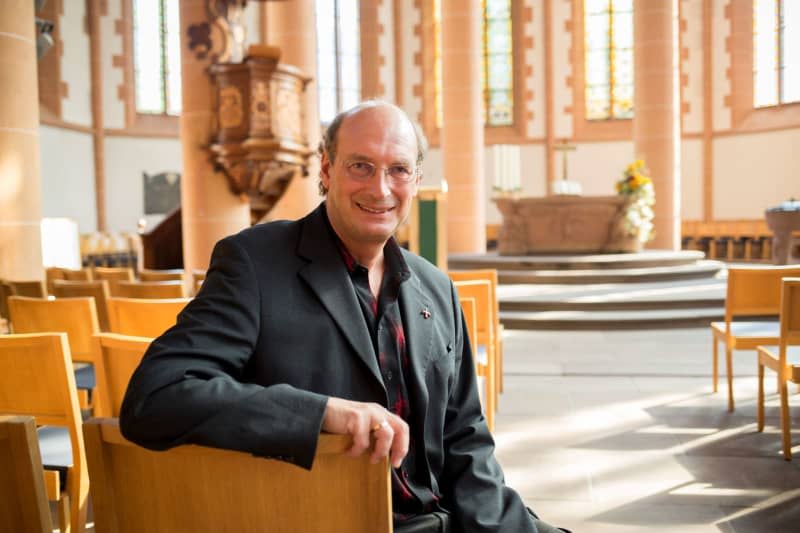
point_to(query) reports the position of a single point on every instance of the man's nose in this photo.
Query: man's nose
(381, 181)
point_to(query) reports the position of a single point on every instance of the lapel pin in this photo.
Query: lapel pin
(425, 313)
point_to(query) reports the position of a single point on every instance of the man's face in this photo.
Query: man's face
(367, 198)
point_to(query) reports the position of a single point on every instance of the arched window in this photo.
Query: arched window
(776, 52)
(497, 72)
(156, 57)
(338, 56)
(608, 31)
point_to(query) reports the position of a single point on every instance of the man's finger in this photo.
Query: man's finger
(384, 437)
(399, 447)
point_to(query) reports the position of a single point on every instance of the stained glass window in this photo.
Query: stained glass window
(157, 57)
(497, 72)
(776, 52)
(608, 27)
(338, 56)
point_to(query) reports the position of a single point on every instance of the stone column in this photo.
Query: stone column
(209, 210)
(20, 178)
(656, 122)
(291, 26)
(462, 129)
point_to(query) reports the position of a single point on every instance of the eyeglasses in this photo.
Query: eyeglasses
(364, 170)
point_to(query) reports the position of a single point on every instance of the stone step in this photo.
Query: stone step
(683, 294)
(644, 259)
(695, 270)
(610, 320)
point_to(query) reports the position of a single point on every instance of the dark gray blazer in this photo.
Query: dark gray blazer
(276, 329)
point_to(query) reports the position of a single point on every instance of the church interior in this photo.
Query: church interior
(612, 185)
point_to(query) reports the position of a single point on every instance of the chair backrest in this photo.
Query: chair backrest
(488, 274)
(114, 273)
(755, 291)
(148, 289)
(36, 379)
(55, 273)
(5, 292)
(481, 290)
(97, 289)
(175, 274)
(77, 317)
(790, 312)
(23, 500)
(143, 317)
(470, 315)
(193, 488)
(32, 288)
(120, 355)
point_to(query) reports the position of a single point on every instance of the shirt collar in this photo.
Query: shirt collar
(394, 264)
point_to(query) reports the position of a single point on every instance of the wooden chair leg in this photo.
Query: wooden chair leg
(786, 429)
(714, 363)
(729, 369)
(63, 513)
(760, 411)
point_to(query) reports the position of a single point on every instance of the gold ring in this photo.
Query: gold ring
(383, 424)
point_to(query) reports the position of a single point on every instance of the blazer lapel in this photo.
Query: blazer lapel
(328, 278)
(417, 311)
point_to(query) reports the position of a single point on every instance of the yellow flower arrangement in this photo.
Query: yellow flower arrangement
(638, 188)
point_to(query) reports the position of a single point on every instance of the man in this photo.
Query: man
(325, 324)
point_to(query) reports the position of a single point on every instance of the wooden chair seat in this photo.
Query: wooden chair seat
(23, 499)
(193, 488)
(748, 335)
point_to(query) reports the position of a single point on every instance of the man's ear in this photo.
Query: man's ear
(324, 169)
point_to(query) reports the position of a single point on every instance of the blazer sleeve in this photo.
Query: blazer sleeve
(473, 485)
(191, 386)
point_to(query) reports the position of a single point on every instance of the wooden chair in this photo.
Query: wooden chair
(23, 500)
(483, 346)
(96, 289)
(783, 359)
(489, 274)
(468, 307)
(174, 274)
(31, 288)
(143, 317)
(57, 273)
(120, 355)
(77, 317)
(36, 380)
(113, 275)
(751, 292)
(148, 289)
(194, 488)
(198, 277)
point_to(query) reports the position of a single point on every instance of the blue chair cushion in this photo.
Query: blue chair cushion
(84, 376)
(56, 450)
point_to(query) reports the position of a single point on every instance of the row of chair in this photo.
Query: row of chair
(477, 290)
(134, 489)
(762, 309)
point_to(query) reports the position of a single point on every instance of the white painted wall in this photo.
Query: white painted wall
(755, 171)
(75, 70)
(67, 163)
(126, 159)
(692, 179)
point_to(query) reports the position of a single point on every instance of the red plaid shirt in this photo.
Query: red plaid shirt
(411, 492)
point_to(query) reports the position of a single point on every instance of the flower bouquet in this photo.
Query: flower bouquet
(640, 195)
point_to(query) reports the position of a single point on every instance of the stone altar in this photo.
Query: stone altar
(782, 220)
(564, 224)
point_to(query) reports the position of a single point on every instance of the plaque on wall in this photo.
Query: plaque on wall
(162, 192)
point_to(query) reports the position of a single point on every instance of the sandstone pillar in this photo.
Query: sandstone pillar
(209, 210)
(462, 129)
(656, 122)
(291, 26)
(20, 178)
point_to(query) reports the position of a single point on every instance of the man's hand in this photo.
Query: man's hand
(363, 420)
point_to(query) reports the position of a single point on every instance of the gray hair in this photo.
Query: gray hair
(330, 137)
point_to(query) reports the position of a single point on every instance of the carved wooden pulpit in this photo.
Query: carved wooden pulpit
(260, 143)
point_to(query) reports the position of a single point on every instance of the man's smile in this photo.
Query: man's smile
(374, 210)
